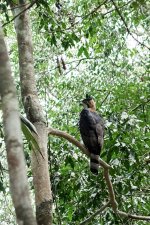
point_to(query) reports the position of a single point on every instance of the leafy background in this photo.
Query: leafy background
(87, 47)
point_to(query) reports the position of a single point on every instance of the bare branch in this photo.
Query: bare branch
(82, 59)
(68, 137)
(78, 61)
(129, 32)
(98, 212)
(105, 98)
(135, 217)
(113, 201)
(72, 140)
(20, 12)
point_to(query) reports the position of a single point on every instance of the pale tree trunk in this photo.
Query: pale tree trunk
(13, 139)
(41, 179)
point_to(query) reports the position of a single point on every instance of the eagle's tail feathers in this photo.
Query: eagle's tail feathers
(94, 163)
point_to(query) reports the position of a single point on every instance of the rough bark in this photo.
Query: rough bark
(13, 139)
(41, 180)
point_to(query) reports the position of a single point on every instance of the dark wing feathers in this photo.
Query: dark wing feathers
(91, 128)
(92, 132)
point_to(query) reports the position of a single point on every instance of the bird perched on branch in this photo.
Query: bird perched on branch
(91, 127)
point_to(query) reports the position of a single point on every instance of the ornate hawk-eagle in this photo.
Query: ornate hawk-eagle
(92, 131)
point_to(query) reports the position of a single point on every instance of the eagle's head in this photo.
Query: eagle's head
(89, 102)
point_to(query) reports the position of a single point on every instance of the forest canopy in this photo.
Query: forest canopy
(101, 48)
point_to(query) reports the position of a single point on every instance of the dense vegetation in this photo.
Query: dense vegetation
(100, 48)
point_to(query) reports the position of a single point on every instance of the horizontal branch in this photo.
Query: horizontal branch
(135, 217)
(78, 61)
(72, 140)
(68, 137)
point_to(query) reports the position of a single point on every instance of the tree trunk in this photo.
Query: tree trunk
(43, 195)
(13, 139)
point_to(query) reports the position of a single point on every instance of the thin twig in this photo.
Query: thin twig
(83, 17)
(128, 30)
(118, 7)
(105, 98)
(78, 61)
(86, 16)
(98, 212)
(18, 6)
(138, 106)
(27, 8)
(95, 10)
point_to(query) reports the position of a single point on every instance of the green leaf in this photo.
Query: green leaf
(53, 40)
(30, 137)
(65, 44)
(80, 51)
(75, 37)
(135, 5)
(70, 161)
(142, 2)
(86, 52)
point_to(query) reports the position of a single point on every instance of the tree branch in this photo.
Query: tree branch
(72, 140)
(68, 137)
(113, 201)
(20, 12)
(95, 10)
(106, 168)
(87, 15)
(105, 98)
(124, 22)
(13, 140)
(118, 7)
(34, 112)
(83, 17)
(98, 212)
(135, 217)
(138, 106)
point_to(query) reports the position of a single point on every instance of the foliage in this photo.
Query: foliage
(101, 58)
